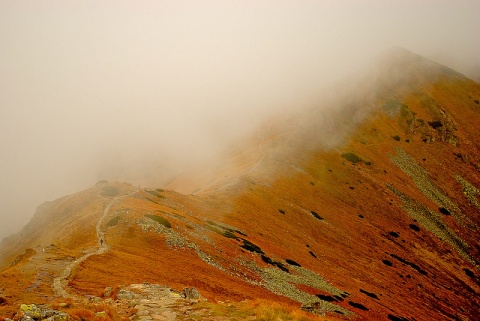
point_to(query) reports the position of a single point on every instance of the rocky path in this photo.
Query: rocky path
(60, 283)
(153, 302)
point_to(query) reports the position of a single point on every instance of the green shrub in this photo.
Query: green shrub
(249, 246)
(352, 157)
(113, 221)
(159, 219)
(226, 232)
(109, 191)
(230, 234)
(315, 214)
(155, 192)
(281, 211)
(396, 137)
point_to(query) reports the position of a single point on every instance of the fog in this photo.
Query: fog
(140, 90)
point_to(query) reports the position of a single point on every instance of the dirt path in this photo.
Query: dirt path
(262, 151)
(60, 283)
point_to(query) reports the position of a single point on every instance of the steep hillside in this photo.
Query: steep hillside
(374, 215)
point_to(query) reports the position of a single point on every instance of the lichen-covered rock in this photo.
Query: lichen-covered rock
(33, 312)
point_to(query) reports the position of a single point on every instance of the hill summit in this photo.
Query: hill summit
(367, 212)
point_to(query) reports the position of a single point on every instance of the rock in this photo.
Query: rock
(191, 293)
(107, 292)
(175, 295)
(314, 307)
(47, 313)
(109, 301)
(59, 317)
(125, 295)
(93, 298)
(30, 310)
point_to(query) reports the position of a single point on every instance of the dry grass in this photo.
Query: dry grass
(64, 303)
(341, 236)
(87, 312)
(258, 310)
(267, 310)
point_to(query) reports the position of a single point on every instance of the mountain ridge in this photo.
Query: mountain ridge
(344, 231)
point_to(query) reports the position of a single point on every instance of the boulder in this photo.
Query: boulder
(191, 293)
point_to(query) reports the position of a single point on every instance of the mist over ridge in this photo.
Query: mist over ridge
(138, 91)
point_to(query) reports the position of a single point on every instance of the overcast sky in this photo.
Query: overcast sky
(123, 90)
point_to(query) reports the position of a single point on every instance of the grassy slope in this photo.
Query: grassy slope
(364, 222)
(349, 249)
